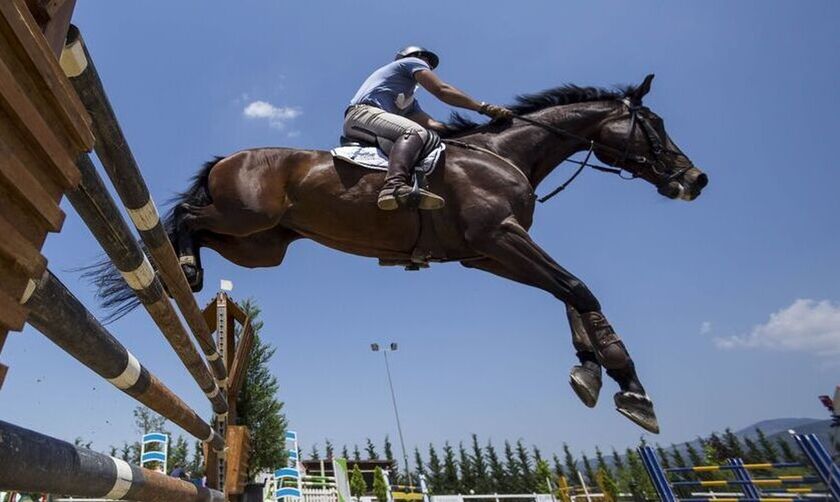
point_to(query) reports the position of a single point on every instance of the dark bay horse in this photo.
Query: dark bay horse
(251, 205)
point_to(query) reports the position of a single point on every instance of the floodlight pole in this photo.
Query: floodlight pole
(385, 350)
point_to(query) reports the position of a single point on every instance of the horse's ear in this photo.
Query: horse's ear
(643, 89)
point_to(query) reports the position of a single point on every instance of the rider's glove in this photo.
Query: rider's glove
(495, 111)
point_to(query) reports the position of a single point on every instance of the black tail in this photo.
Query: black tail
(113, 293)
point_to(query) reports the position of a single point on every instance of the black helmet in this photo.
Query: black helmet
(415, 50)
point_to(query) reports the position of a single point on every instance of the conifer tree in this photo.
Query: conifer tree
(178, 453)
(512, 468)
(370, 449)
(617, 462)
(679, 461)
(466, 468)
(558, 466)
(733, 444)
(357, 455)
(344, 453)
(537, 454)
(767, 449)
(330, 450)
(380, 486)
(358, 486)
(196, 465)
(436, 479)
(663, 456)
(314, 454)
(753, 453)
(787, 452)
(607, 485)
(419, 469)
(498, 476)
(639, 482)
(389, 450)
(257, 403)
(600, 461)
(479, 464)
(714, 449)
(450, 470)
(571, 466)
(525, 467)
(543, 482)
(587, 469)
(696, 458)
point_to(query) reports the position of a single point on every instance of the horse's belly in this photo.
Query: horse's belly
(336, 206)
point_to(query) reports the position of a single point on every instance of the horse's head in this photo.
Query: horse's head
(635, 139)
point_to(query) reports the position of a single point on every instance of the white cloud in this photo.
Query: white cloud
(705, 327)
(277, 116)
(805, 326)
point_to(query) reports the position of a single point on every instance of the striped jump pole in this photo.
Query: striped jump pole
(113, 151)
(827, 470)
(69, 470)
(99, 212)
(62, 318)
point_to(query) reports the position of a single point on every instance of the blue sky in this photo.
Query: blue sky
(730, 304)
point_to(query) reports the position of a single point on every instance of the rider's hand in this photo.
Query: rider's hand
(495, 111)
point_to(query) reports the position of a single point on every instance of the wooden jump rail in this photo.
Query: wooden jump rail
(64, 468)
(49, 128)
(112, 149)
(62, 318)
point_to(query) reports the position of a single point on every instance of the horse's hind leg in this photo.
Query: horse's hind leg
(512, 247)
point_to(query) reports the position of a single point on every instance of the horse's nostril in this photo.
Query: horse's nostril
(671, 190)
(701, 181)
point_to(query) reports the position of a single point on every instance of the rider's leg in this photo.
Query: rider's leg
(370, 124)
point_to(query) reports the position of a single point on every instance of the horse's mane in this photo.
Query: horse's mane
(528, 103)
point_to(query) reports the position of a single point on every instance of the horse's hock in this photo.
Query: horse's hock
(47, 124)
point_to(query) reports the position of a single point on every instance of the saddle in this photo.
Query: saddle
(371, 156)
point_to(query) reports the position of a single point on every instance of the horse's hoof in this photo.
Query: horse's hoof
(195, 277)
(586, 382)
(639, 409)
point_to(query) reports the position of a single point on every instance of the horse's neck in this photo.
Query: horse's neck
(537, 151)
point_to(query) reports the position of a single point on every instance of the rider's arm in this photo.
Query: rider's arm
(426, 121)
(445, 92)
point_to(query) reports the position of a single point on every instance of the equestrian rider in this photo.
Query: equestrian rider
(385, 112)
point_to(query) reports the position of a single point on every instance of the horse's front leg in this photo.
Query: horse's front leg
(524, 261)
(585, 378)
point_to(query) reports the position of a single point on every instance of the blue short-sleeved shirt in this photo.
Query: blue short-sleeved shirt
(391, 87)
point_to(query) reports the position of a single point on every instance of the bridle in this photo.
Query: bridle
(655, 163)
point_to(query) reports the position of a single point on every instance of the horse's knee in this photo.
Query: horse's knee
(581, 298)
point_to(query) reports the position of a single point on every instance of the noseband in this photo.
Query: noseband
(654, 139)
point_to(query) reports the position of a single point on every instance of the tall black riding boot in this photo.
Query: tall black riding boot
(397, 188)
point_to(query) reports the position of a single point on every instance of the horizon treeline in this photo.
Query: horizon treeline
(508, 467)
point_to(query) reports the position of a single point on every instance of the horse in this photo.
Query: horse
(251, 205)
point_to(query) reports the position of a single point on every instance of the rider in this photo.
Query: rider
(384, 111)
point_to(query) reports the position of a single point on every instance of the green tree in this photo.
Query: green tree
(587, 469)
(767, 448)
(357, 455)
(607, 485)
(571, 465)
(600, 461)
(370, 449)
(450, 470)
(663, 456)
(733, 444)
(525, 467)
(466, 468)
(330, 449)
(479, 465)
(179, 452)
(617, 462)
(753, 453)
(344, 453)
(358, 487)
(498, 476)
(558, 466)
(145, 421)
(389, 456)
(638, 481)
(436, 477)
(543, 478)
(418, 463)
(677, 457)
(196, 465)
(257, 403)
(314, 454)
(714, 449)
(380, 486)
(512, 468)
(787, 452)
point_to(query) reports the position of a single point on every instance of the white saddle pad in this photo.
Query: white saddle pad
(371, 157)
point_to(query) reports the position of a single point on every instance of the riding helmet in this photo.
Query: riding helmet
(415, 50)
